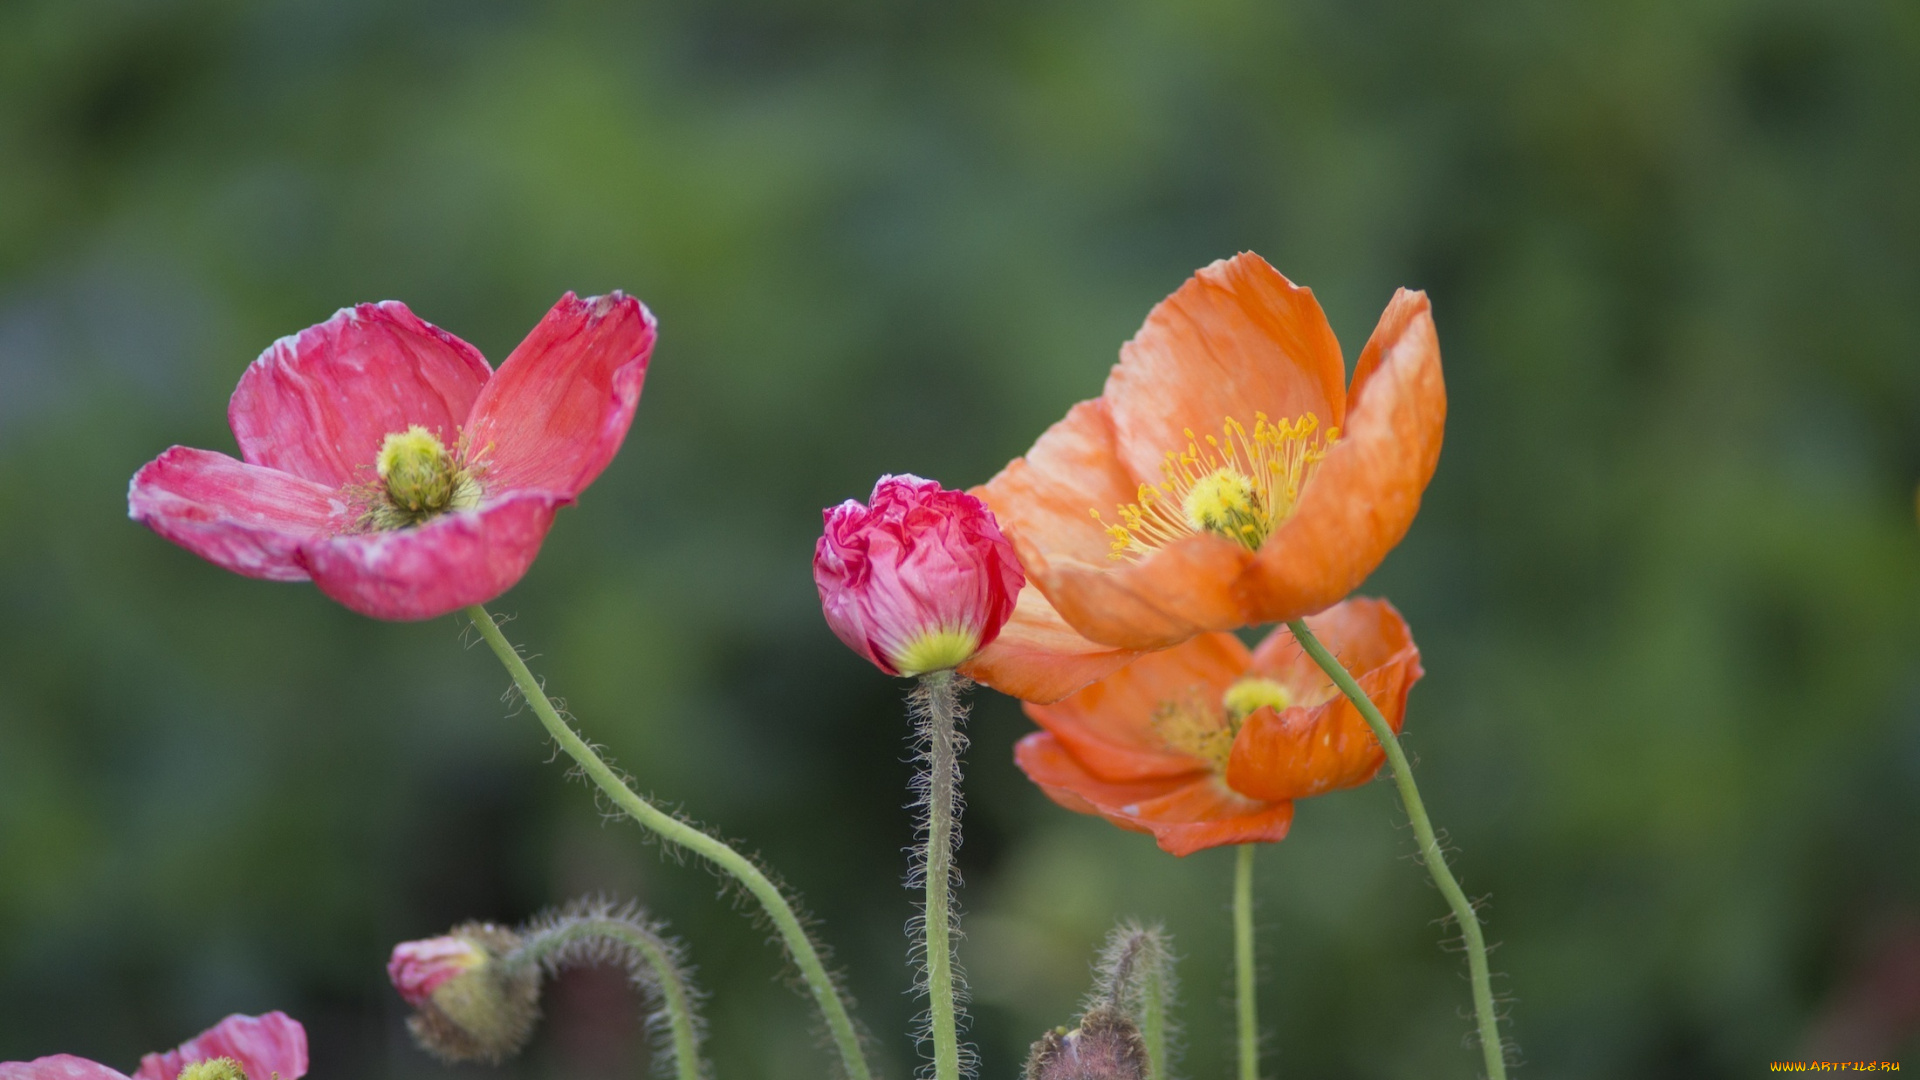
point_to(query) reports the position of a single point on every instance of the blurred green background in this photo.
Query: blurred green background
(1667, 579)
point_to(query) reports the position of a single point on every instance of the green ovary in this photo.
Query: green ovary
(419, 479)
(221, 1068)
(1249, 694)
(1226, 503)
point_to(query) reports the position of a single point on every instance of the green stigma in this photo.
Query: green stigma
(1249, 694)
(418, 480)
(220, 1068)
(935, 650)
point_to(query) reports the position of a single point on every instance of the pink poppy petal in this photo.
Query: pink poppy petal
(242, 517)
(263, 1045)
(460, 558)
(319, 403)
(555, 413)
(57, 1067)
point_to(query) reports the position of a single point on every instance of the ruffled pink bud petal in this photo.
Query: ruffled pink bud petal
(57, 1067)
(418, 968)
(263, 1045)
(919, 575)
(319, 403)
(243, 517)
(555, 413)
(457, 559)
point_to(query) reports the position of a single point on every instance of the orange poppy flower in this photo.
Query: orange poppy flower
(1207, 743)
(1224, 477)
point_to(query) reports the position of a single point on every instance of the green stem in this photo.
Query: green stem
(936, 706)
(1243, 962)
(1436, 860)
(1153, 1020)
(799, 946)
(667, 977)
(686, 1048)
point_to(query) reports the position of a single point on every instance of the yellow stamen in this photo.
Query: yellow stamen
(1242, 486)
(1198, 729)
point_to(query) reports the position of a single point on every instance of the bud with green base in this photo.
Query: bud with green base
(476, 990)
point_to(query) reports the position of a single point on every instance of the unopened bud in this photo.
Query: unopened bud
(469, 1004)
(1106, 1046)
(919, 580)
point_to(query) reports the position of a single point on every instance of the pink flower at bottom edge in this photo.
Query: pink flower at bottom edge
(383, 459)
(264, 1046)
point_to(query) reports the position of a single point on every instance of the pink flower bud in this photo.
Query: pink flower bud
(418, 968)
(472, 999)
(920, 580)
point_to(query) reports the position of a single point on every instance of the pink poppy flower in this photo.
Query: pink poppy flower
(384, 460)
(261, 1047)
(918, 581)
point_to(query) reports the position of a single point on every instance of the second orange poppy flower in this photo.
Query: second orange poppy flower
(1207, 743)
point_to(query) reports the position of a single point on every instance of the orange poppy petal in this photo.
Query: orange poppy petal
(1362, 632)
(1038, 657)
(1108, 727)
(1185, 588)
(1310, 750)
(1185, 814)
(1045, 499)
(1237, 338)
(1368, 489)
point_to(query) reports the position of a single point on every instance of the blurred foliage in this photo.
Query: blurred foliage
(1667, 579)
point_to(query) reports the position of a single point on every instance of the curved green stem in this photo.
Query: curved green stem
(664, 972)
(1436, 860)
(686, 1046)
(936, 706)
(799, 946)
(1243, 962)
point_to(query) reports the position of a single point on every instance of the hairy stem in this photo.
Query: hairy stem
(1142, 975)
(936, 709)
(1243, 962)
(1430, 853)
(800, 947)
(591, 932)
(1134, 977)
(1153, 1023)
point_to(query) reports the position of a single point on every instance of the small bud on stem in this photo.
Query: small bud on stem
(1123, 1033)
(476, 991)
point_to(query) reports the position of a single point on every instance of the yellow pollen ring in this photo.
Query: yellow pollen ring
(936, 649)
(1240, 485)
